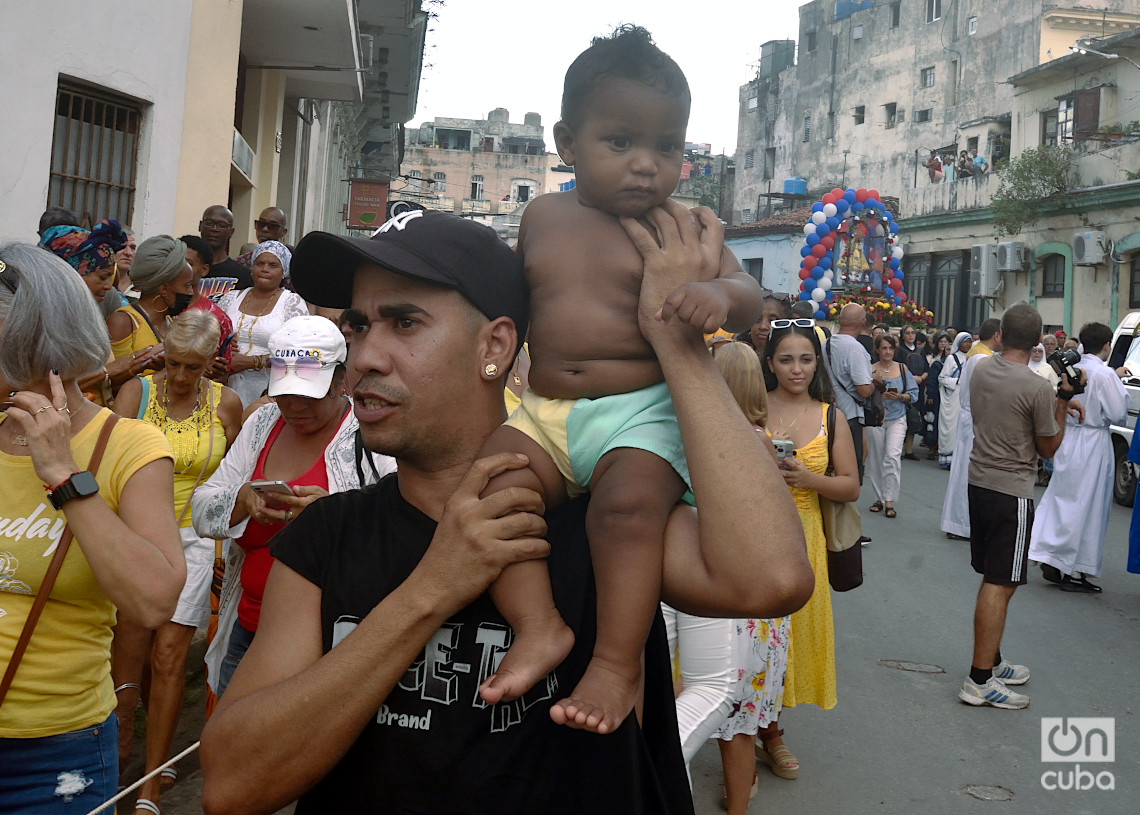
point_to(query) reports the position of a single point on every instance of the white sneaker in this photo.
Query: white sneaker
(1011, 674)
(992, 693)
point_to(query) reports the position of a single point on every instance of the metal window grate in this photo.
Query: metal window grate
(94, 153)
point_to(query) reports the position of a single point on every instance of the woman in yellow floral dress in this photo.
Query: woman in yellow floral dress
(799, 394)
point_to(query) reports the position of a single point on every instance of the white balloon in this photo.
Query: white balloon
(898, 253)
(879, 231)
(819, 295)
(829, 210)
(818, 217)
(825, 283)
(809, 229)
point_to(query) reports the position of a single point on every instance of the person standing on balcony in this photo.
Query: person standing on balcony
(979, 162)
(933, 166)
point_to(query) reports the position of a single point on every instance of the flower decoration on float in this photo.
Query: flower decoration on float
(851, 246)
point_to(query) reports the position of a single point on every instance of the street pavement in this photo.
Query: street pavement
(899, 741)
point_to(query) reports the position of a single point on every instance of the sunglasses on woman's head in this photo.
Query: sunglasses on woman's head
(780, 296)
(802, 322)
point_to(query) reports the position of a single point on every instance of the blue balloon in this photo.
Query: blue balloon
(849, 195)
(898, 300)
(817, 206)
(894, 228)
(857, 206)
(824, 262)
(816, 272)
(842, 205)
(812, 240)
(820, 314)
(805, 250)
(830, 295)
(805, 295)
(821, 230)
(896, 266)
(832, 222)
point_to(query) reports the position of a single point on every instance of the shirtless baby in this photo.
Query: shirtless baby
(597, 415)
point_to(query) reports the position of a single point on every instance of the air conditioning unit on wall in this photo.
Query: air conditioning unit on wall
(1011, 256)
(983, 269)
(1088, 248)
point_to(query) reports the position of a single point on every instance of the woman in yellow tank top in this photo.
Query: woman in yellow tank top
(200, 419)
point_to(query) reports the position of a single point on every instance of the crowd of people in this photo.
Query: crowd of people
(417, 587)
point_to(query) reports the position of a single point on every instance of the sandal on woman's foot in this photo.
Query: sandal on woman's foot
(168, 776)
(778, 758)
(146, 805)
(890, 512)
(877, 506)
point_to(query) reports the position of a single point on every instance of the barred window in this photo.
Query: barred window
(439, 180)
(94, 153)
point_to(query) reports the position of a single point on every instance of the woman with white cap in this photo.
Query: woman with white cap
(256, 313)
(305, 442)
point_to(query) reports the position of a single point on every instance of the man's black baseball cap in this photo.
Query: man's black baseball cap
(424, 244)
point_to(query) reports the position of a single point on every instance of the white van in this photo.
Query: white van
(1126, 352)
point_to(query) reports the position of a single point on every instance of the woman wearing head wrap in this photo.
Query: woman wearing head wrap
(92, 254)
(256, 314)
(949, 406)
(163, 277)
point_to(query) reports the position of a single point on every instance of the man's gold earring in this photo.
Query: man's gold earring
(491, 369)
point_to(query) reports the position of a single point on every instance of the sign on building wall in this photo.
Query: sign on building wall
(367, 201)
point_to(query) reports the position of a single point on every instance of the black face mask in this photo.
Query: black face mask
(182, 302)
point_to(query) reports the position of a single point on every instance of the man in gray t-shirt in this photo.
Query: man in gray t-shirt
(1016, 418)
(849, 366)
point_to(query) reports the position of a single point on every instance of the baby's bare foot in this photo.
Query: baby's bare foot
(539, 646)
(603, 698)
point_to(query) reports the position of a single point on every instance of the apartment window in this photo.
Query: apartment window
(896, 14)
(749, 159)
(860, 114)
(753, 102)
(1134, 282)
(746, 216)
(1064, 120)
(923, 115)
(1053, 276)
(809, 45)
(890, 110)
(415, 180)
(439, 180)
(755, 268)
(972, 26)
(1086, 112)
(1049, 128)
(857, 32)
(94, 153)
(933, 10)
(926, 77)
(807, 128)
(476, 188)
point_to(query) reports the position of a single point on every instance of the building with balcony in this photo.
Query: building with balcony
(190, 103)
(874, 90)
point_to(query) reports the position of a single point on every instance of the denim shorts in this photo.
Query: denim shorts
(71, 772)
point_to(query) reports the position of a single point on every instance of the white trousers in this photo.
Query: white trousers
(884, 457)
(703, 648)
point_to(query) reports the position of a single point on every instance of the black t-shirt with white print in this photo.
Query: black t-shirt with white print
(435, 746)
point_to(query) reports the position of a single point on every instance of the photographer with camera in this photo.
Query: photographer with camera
(1023, 418)
(1068, 531)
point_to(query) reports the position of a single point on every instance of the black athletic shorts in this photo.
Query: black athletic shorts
(999, 536)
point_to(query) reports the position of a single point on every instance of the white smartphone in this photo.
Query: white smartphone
(784, 448)
(266, 488)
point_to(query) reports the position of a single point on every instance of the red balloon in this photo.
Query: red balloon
(827, 241)
(827, 199)
(810, 261)
(873, 194)
(819, 250)
(896, 284)
(837, 193)
(804, 274)
(860, 195)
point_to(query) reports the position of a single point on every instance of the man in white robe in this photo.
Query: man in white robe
(1071, 522)
(956, 504)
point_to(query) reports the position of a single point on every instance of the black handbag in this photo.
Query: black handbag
(915, 424)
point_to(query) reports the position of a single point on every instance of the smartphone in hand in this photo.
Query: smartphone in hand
(266, 489)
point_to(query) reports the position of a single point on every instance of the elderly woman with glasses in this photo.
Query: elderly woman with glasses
(89, 531)
(256, 313)
(200, 419)
(289, 453)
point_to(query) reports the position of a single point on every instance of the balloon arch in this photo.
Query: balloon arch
(850, 245)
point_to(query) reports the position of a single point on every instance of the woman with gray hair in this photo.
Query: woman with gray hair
(257, 313)
(164, 279)
(88, 499)
(200, 419)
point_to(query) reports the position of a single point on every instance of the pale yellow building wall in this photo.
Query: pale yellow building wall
(207, 127)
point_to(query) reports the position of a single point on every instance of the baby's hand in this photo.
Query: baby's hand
(704, 306)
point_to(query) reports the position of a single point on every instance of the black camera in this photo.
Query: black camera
(1064, 362)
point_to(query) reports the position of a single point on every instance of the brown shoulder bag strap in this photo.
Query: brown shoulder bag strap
(52, 570)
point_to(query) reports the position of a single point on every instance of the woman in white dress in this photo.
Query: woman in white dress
(949, 406)
(256, 314)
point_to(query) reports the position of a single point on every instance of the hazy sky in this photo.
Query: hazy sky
(482, 56)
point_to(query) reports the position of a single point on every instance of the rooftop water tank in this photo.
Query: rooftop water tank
(533, 120)
(795, 186)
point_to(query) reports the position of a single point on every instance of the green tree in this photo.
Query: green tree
(1029, 183)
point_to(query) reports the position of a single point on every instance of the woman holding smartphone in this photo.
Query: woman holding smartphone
(307, 439)
(200, 419)
(885, 443)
